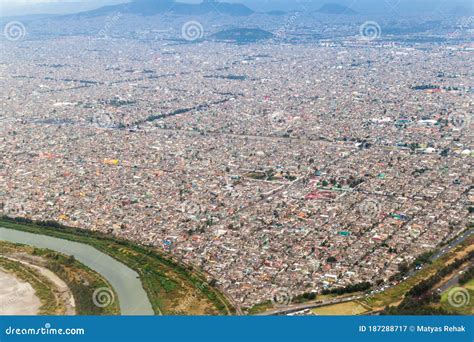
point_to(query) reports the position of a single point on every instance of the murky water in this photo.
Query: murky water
(132, 297)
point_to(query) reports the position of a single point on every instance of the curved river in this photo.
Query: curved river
(125, 281)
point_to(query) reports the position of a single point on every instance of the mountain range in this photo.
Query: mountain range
(153, 7)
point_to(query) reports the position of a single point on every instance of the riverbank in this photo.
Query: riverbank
(172, 289)
(69, 284)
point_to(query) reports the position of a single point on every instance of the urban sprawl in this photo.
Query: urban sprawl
(270, 165)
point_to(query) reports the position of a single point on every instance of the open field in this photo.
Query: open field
(268, 306)
(342, 309)
(17, 297)
(43, 289)
(172, 289)
(459, 299)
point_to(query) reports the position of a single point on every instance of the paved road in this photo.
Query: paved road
(299, 307)
(446, 249)
(461, 238)
(453, 281)
(304, 306)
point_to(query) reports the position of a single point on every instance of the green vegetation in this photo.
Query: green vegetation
(81, 280)
(259, 308)
(364, 286)
(421, 298)
(396, 294)
(425, 87)
(341, 309)
(462, 308)
(467, 276)
(305, 297)
(42, 286)
(167, 283)
(270, 175)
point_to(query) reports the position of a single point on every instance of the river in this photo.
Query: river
(125, 281)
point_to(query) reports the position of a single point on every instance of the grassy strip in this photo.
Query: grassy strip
(397, 293)
(166, 282)
(81, 280)
(42, 286)
(463, 308)
(341, 309)
(268, 305)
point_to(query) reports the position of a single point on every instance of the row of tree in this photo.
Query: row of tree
(363, 286)
(419, 299)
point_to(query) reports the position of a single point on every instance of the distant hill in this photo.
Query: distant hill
(275, 13)
(243, 35)
(152, 7)
(332, 8)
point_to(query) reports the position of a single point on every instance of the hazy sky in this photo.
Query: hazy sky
(23, 7)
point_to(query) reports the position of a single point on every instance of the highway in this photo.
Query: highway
(299, 307)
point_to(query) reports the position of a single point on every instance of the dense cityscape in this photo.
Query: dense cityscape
(312, 152)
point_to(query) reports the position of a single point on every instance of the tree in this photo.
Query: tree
(331, 259)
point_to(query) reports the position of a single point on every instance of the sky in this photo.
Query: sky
(24, 7)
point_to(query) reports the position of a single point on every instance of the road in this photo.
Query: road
(299, 307)
(453, 244)
(453, 281)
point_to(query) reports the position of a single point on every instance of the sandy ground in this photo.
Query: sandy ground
(62, 290)
(16, 296)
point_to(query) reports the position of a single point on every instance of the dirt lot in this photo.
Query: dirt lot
(16, 296)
